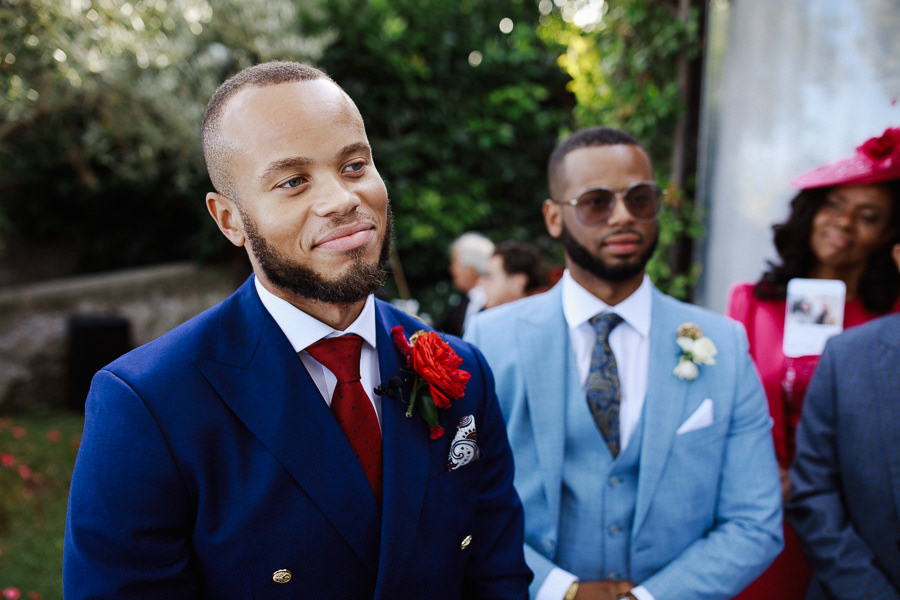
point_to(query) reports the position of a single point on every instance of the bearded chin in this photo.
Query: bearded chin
(362, 278)
(601, 269)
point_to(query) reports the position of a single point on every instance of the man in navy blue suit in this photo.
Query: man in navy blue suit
(212, 465)
(845, 479)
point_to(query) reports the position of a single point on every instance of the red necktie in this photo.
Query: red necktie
(350, 404)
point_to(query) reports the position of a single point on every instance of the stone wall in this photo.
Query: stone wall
(36, 321)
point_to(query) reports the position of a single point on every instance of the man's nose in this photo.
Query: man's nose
(619, 212)
(335, 196)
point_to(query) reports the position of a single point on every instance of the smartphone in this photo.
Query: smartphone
(813, 313)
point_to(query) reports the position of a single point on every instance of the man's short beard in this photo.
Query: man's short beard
(625, 271)
(362, 279)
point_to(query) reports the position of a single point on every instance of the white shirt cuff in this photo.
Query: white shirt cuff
(556, 585)
(641, 593)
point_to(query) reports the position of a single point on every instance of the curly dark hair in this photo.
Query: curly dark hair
(880, 282)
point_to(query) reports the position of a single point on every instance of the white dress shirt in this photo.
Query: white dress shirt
(630, 344)
(477, 298)
(302, 330)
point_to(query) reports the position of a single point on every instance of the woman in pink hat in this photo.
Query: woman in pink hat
(842, 225)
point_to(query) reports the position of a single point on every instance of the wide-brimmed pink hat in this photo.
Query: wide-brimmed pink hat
(875, 161)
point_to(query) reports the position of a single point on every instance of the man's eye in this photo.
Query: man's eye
(355, 167)
(292, 183)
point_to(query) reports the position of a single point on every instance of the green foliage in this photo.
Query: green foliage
(623, 73)
(461, 116)
(101, 102)
(37, 454)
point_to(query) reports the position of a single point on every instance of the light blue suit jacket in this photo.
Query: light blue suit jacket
(707, 518)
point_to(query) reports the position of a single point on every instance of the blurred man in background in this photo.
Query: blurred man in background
(640, 430)
(513, 272)
(469, 255)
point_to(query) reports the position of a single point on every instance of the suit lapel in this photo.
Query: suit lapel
(543, 339)
(259, 377)
(406, 448)
(664, 404)
(887, 382)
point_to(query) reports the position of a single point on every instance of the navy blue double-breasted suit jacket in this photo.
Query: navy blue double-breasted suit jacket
(210, 462)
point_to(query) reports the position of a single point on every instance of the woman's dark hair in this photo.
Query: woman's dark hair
(880, 282)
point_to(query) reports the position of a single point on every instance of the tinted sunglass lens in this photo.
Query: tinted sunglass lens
(593, 206)
(642, 201)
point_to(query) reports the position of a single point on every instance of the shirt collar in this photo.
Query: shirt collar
(477, 295)
(579, 305)
(302, 329)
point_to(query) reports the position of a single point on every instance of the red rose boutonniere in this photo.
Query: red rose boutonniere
(437, 378)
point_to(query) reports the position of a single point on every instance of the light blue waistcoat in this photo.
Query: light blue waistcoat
(598, 500)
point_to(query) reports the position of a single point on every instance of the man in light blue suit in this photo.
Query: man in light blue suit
(219, 461)
(845, 480)
(643, 455)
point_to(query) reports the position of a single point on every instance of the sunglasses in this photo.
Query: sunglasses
(643, 200)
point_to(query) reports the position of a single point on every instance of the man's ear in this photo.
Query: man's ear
(552, 218)
(895, 252)
(226, 215)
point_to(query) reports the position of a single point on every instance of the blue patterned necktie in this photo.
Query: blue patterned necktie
(603, 391)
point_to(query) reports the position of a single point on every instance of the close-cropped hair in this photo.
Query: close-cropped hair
(215, 151)
(880, 282)
(586, 138)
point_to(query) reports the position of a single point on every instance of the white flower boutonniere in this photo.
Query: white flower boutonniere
(695, 350)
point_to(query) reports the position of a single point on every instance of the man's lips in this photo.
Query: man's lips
(347, 237)
(622, 243)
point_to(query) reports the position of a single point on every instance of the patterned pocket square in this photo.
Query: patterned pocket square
(464, 448)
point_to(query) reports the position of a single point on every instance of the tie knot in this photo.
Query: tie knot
(340, 355)
(603, 323)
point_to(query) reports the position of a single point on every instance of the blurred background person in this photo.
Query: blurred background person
(628, 475)
(842, 224)
(513, 272)
(842, 482)
(469, 255)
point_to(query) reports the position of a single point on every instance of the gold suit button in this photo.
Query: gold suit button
(281, 576)
(465, 543)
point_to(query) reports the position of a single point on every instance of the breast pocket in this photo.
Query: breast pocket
(704, 435)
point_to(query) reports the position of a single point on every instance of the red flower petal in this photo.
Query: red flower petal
(436, 362)
(886, 146)
(402, 344)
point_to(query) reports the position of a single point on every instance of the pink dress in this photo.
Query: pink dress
(785, 381)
